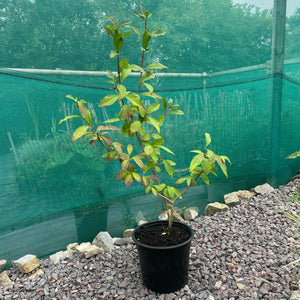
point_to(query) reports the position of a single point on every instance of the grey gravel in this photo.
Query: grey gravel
(237, 254)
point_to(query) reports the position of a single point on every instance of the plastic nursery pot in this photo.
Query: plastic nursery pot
(164, 269)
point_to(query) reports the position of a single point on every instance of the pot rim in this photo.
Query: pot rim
(189, 229)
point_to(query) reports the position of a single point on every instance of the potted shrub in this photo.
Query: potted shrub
(163, 246)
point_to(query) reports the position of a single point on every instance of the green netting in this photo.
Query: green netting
(53, 192)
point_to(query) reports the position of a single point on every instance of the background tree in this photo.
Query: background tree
(202, 35)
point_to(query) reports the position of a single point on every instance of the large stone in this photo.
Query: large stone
(57, 257)
(164, 216)
(87, 250)
(190, 214)
(5, 280)
(122, 241)
(39, 272)
(244, 195)
(27, 263)
(71, 247)
(213, 208)
(128, 233)
(263, 189)
(104, 241)
(2, 264)
(231, 199)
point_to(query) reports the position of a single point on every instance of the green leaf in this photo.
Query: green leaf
(129, 149)
(149, 87)
(126, 34)
(67, 118)
(158, 32)
(124, 23)
(137, 177)
(136, 68)
(205, 178)
(171, 192)
(168, 167)
(139, 162)
(160, 187)
(152, 108)
(148, 150)
(181, 180)
(122, 90)
(79, 132)
(148, 75)
(163, 103)
(196, 161)
(154, 123)
(113, 120)
(137, 31)
(118, 40)
(207, 166)
(166, 149)
(135, 126)
(207, 139)
(124, 165)
(152, 95)
(176, 112)
(108, 100)
(156, 66)
(112, 20)
(139, 15)
(108, 127)
(146, 38)
(135, 99)
(124, 74)
(113, 54)
(154, 192)
(157, 142)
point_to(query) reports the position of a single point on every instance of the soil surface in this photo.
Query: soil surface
(157, 235)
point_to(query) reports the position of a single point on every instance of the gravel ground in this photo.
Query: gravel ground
(239, 254)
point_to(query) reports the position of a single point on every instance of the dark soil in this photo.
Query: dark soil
(157, 235)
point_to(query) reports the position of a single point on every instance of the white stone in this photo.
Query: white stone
(87, 250)
(213, 208)
(122, 241)
(57, 257)
(128, 233)
(142, 222)
(5, 280)
(232, 199)
(2, 264)
(263, 189)
(190, 214)
(27, 263)
(71, 247)
(163, 217)
(37, 273)
(244, 195)
(104, 241)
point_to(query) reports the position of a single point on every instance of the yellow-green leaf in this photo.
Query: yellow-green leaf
(156, 66)
(67, 118)
(108, 100)
(152, 108)
(148, 150)
(135, 126)
(79, 132)
(207, 139)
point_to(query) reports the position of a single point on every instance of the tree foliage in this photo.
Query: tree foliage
(203, 36)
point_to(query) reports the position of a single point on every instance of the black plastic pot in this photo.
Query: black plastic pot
(164, 269)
